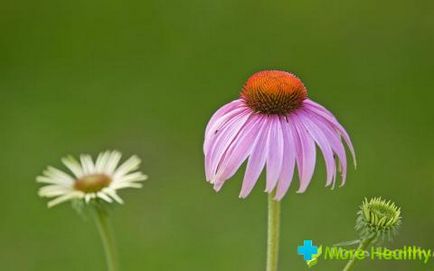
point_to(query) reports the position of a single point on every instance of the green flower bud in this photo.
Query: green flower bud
(378, 219)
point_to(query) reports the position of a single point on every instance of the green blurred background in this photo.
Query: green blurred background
(144, 77)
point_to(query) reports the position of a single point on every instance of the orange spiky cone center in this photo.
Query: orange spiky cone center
(274, 92)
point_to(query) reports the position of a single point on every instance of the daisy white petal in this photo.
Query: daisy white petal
(49, 180)
(88, 197)
(127, 185)
(104, 197)
(87, 164)
(112, 162)
(131, 164)
(73, 165)
(133, 177)
(53, 191)
(101, 161)
(114, 195)
(64, 198)
(59, 175)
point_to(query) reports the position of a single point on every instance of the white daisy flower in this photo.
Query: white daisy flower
(90, 180)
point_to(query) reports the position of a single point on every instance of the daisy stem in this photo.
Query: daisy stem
(273, 233)
(106, 233)
(364, 244)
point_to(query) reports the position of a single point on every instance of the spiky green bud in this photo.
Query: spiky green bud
(378, 219)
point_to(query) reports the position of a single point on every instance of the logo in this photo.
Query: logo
(307, 250)
(311, 253)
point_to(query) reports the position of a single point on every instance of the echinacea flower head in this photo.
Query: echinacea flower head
(274, 125)
(91, 180)
(378, 219)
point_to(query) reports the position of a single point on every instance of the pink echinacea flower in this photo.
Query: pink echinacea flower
(274, 125)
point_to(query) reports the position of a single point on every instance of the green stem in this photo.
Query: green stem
(106, 234)
(273, 233)
(364, 244)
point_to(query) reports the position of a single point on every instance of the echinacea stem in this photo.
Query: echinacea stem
(364, 244)
(273, 233)
(106, 234)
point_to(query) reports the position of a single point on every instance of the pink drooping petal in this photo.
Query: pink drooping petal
(257, 159)
(289, 152)
(328, 116)
(238, 151)
(222, 140)
(323, 144)
(306, 154)
(224, 110)
(334, 140)
(275, 153)
(220, 120)
(221, 126)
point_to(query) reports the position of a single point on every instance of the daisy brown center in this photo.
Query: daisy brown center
(273, 92)
(92, 183)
